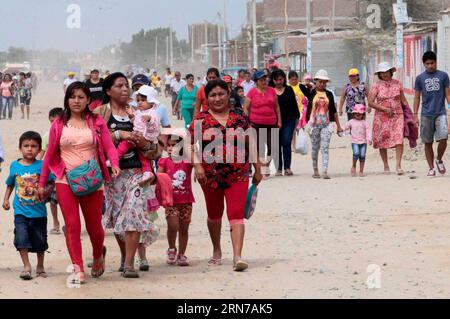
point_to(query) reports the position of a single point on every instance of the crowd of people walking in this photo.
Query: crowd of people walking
(104, 152)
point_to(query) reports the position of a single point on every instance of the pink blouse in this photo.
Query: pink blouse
(77, 147)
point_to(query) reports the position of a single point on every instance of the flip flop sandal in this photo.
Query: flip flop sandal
(26, 275)
(316, 176)
(42, 274)
(78, 280)
(400, 172)
(326, 177)
(215, 262)
(99, 269)
(240, 266)
(130, 273)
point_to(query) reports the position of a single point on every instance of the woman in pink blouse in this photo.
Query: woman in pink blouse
(78, 137)
(387, 98)
(261, 105)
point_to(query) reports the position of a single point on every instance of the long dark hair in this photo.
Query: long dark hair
(275, 75)
(69, 92)
(108, 84)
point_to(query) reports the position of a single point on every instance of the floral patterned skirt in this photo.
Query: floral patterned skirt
(387, 131)
(127, 206)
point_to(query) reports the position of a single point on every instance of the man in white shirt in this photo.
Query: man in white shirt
(168, 77)
(248, 84)
(176, 86)
(71, 79)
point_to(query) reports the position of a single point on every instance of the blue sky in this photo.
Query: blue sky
(41, 24)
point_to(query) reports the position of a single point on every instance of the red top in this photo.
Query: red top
(180, 173)
(263, 106)
(227, 162)
(53, 161)
(201, 96)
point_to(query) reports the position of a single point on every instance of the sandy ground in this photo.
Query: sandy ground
(308, 239)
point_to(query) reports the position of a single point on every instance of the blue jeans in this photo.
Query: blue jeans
(7, 104)
(30, 233)
(359, 152)
(285, 145)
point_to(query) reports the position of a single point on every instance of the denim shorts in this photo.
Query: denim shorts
(30, 233)
(434, 128)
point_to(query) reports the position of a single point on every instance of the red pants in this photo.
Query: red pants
(235, 196)
(125, 146)
(91, 206)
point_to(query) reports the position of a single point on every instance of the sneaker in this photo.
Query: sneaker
(431, 173)
(144, 265)
(182, 260)
(279, 173)
(171, 256)
(288, 172)
(441, 167)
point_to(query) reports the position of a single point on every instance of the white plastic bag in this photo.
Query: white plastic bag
(301, 143)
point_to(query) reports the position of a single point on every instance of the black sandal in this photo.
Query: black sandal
(130, 273)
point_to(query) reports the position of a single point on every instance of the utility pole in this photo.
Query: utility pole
(225, 37)
(401, 19)
(156, 52)
(286, 23)
(308, 38)
(219, 36)
(206, 42)
(171, 47)
(255, 43)
(167, 50)
(192, 43)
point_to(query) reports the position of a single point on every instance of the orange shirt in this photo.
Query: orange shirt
(201, 96)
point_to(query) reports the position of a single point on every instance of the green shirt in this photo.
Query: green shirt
(187, 98)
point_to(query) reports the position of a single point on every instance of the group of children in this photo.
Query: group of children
(30, 213)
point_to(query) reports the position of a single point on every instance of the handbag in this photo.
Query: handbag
(85, 178)
(250, 204)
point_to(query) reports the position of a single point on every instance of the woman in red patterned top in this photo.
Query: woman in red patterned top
(222, 167)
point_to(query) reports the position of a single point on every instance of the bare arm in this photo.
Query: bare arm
(278, 114)
(246, 106)
(417, 104)
(404, 99)
(342, 101)
(374, 104)
(9, 191)
(447, 94)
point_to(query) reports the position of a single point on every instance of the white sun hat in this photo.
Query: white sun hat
(384, 67)
(322, 75)
(147, 91)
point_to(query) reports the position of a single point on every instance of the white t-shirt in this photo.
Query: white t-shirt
(176, 86)
(168, 79)
(247, 86)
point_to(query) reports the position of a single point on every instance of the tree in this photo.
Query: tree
(141, 49)
(17, 55)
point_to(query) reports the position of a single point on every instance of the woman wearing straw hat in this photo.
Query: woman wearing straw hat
(387, 98)
(320, 115)
(355, 92)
